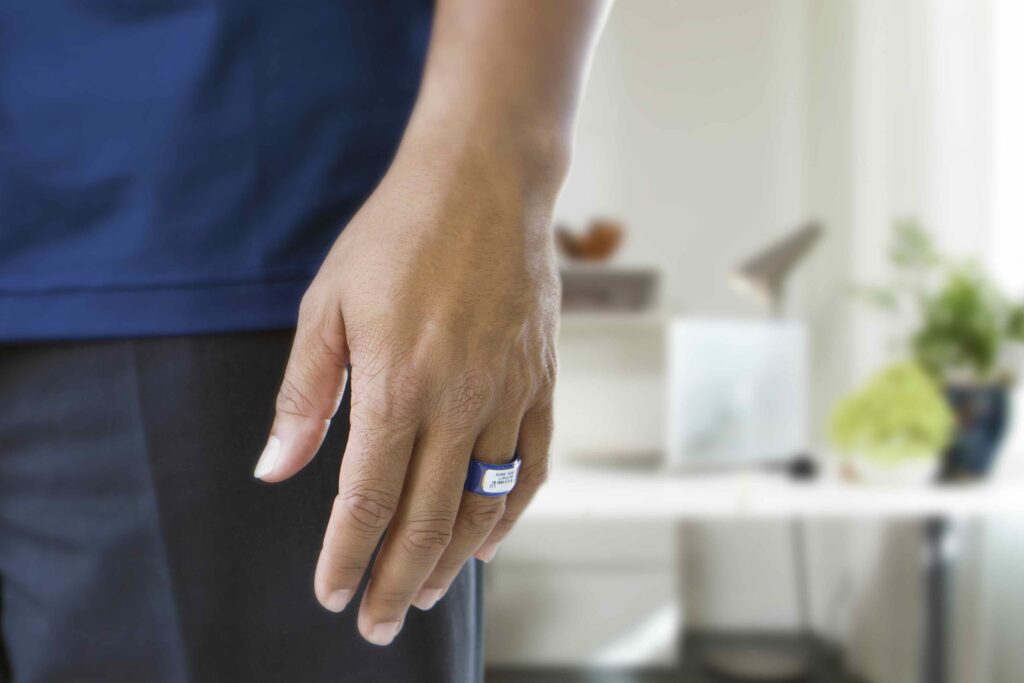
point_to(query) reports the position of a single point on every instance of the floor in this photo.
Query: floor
(681, 676)
(701, 649)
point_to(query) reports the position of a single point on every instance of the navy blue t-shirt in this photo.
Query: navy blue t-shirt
(183, 166)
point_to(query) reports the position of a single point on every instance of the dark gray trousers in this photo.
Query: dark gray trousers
(135, 544)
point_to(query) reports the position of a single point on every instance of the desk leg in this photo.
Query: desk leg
(936, 570)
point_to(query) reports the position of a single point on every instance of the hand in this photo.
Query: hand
(442, 296)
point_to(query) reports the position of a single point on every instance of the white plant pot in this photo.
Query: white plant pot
(1012, 359)
(913, 472)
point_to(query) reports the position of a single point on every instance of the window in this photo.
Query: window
(1006, 251)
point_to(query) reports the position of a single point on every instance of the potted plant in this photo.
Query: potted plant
(893, 430)
(965, 334)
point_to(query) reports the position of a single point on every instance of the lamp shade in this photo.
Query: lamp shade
(765, 273)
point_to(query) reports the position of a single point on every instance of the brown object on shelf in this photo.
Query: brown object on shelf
(598, 243)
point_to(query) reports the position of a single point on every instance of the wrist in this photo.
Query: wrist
(529, 157)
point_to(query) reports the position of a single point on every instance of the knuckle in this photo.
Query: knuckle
(406, 394)
(344, 566)
(317, 320)
(418, 369)
(293, 399)
(548, 369)
(472, 391)
(448, 566)
(371, 452)
(366, 508)
(391, 599)
(519, 386)
(426, 537)
(387, 407)
(328, 344)
(536, 474)
(545, 394)
(480, 519)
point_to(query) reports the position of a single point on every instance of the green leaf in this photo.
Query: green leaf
(912, 248)
(886, 298)
(1015, 323)
(962, 326)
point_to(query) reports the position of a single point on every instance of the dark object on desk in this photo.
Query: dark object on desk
(803, 468)
(800, 467)
(602, 289)
(981, 413)
(600, 241)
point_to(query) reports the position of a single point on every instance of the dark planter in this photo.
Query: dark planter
(982, 413)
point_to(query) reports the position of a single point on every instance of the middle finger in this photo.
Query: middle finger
(478, 514)
(418, 535)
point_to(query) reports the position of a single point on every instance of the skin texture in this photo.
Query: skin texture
(439, 303)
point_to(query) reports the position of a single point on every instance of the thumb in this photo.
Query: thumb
(314, 381)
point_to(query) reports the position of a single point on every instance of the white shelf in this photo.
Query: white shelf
(575, 493)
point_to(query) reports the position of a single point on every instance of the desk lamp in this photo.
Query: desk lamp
(764, 275)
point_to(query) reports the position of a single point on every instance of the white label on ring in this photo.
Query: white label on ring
(499, 481)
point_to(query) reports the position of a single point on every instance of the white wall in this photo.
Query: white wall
(690, 131)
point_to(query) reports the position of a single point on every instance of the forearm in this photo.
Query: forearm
(506, 75)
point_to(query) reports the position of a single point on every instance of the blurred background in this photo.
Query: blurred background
(788, 444)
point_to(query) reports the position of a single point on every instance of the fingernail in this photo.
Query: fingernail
(338, 600)
(487, 553)
(268, 459)
(383, 634)
(428, 597)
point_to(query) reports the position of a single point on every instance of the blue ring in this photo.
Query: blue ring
(490, 480)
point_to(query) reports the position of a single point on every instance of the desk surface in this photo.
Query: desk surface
(592, 493)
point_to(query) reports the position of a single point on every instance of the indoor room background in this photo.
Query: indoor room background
(711, 129)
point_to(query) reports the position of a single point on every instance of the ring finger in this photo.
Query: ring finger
(478, 514)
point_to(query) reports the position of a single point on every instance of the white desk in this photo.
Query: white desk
(580, 493)
(575, 493)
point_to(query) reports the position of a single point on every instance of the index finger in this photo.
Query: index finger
(370, 484)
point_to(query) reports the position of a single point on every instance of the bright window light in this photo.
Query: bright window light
(1007, 246)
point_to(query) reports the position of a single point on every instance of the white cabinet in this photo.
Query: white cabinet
(579, 593)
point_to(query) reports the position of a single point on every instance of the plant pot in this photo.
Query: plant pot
(981, 414)
(1012, 359)
(908, 472)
